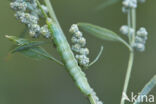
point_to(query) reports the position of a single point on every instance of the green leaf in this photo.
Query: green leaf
(107, 3)
(31, 49)
(18, 41)
(99, 32)
(28, 45)
(39, 53)
(148, 87)
(21, 35)
(36, 52)
(102, 33)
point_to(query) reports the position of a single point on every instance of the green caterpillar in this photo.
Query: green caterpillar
(69, 59)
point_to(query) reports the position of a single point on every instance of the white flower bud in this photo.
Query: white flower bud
(74, 40)
(82, 41)
(142, 32)
(139, 46)
(74, 28)
(76, 48)
(126, 30)
(21, 6)
(130, 3)
(139, 40)
(84, 51)
(45, 32)
(78, 34)
(83, 60)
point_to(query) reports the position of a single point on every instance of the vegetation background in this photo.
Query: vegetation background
(27, 81)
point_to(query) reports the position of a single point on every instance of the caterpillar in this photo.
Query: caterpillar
(70, 62)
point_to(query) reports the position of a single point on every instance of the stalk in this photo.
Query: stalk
(128, 75)
(131, 24)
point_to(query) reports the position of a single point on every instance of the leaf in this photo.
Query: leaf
(36, 52)
(99, 32)
(39, 53)
(28, 45)
(21, 35)
(148, 87)
(31, 49)
(102, 33)
(107, 3)
(18, 41)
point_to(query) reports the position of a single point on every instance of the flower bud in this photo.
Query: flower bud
(78, 34)
(74, 28)
(76, 48)
(142, 32)
(126, 30)
(139, 46)
(82, 41)
(84, 51)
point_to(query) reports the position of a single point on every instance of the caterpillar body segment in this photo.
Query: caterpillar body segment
(69, 59)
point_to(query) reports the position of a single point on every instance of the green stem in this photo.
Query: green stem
(131, 24)
(133, 14)
(128, 75)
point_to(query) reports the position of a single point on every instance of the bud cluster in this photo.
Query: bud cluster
(28, 13)
(79, 43)
(140, 39)
(128, 4)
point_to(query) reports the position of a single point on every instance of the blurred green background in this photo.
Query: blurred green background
(27, 81)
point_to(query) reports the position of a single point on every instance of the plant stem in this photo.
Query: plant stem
(128, 75)
(131, 24)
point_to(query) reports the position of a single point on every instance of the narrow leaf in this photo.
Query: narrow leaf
(99, 32)
(107, 3)
(31, 49)
(21, 35)
(102, 33)
(39, 53)
(29, 45)
(18, 41)
(148, 87)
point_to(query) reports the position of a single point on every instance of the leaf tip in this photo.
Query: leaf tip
(7, 36)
